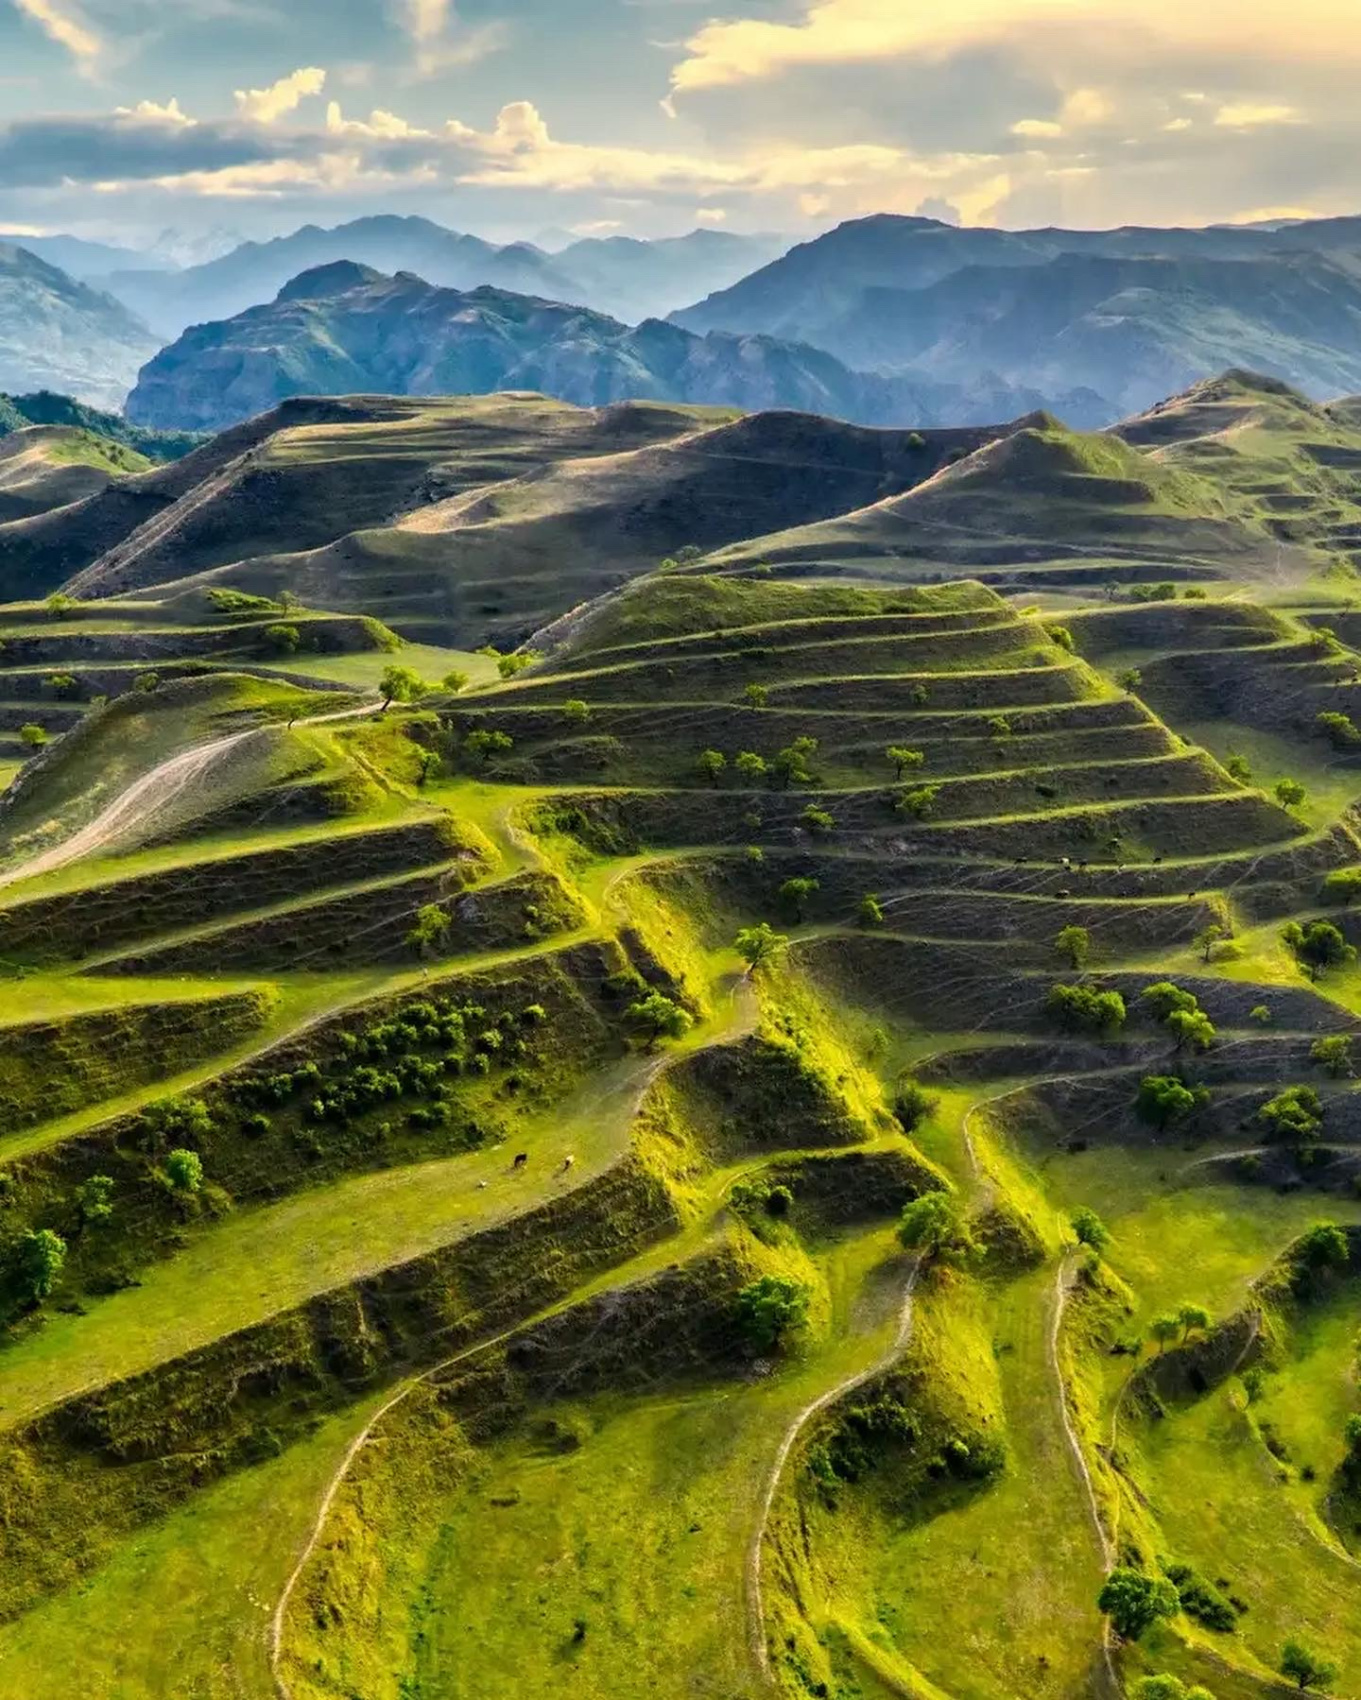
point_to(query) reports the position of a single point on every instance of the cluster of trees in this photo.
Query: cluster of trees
(787, 767)
(768, 1310)
(1180, 1013)
(1086, 1009)
(937, 1229)
(1317, 946)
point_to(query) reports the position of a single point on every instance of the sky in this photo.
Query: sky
(120, 119)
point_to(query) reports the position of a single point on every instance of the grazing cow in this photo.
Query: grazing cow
(521, 1158)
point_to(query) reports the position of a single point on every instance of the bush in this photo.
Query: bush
(912, 1104)
(1318, 946)
(184, 1170)
(94, 1200)
(935, 1227)
(769, 1309)
(1084, 1009)
(1090, 1229)
(1163, 1099)
(283, 640)
(1294, 1115)
(1200, 1599)
(39, 1259)
(919, 802)
(1134, 1601)
(32, 736)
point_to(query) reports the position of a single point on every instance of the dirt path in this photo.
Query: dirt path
(756, 1627)
(147, 796)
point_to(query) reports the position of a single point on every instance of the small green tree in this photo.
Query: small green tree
(32, 735)
(1334, 1053)
(1164, 1328)
(1207, 938)
(1164, 997)
(710, 764)
(658, 1017)
(903, 758)
(62, 685)
(1134, 1602)
(768, 1310)
(791, 764)
(454, 681)
(1340, 729)
(818, 821)
(756, 696)
(1324, 1246)
(576, 712)
(1290, 793)
(1074, 945)
(758, 944)
(1192, 1317)
(1084, 1009)
(1261, 1014)
(509, 665)
(484, 744)
(1342, 885)
(283, 639)
(935, 1227)
(999, 726)
(40, 1257)
(1294, 1115)
(1238, 767)
(796, 892)
(870, 913)
(400, 684)
(430, 929)
(1318, 946)
(94, 1200)
(1090, 1229)
(147, 681)
(919, 802)
(1191, 1029)
(1306, 1668)
(184, 1170)
(1062, 636)
(912, 1104)
(1130, 679)
(1162, 1099)
(751, 766)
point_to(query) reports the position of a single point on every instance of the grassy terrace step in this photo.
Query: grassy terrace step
(99, 917)
(370, 922)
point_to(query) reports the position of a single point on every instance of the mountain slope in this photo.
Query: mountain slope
(344, 328)
(634, 280)
(61, 335)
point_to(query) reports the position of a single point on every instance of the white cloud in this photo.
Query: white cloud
(154, 112)
(267, 106)
(1175, 125)
(1037, 128)
(711, 215)
(379, 126)
(1245, 115)
(1086, 106)
(63, 23)
(439, 43)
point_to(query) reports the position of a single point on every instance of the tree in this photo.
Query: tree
(32, 735)
(935, 1227)
(758, 944)
(1340, 729)
(1342, 885)
(283, 639)
(1261, 1014)
(1130, 679)
(1304, 1667)
(870, 913)
(1324, 1246)
(509, 665)
(1191, 1029)
(1134, 1601)
(1318, 947)
(1062, 636)
(817, 820)
(791, 763)
(903, 758)
(400, 684)
(1191, 1317)
(1207, 938)
(431, 927)
(1090, 1229)
(576, 712)
(999, 726)
(1334, 1053)
(795, 893)
(768, 1309)
(1167, 1688)
(918, 803)
(711, 764)
(184, 1170)
(658, 1017)
(63, 685)
(1074, 945)
(455, 681)
(751, 766)
(1163, 1099)
(1164, 997)
(756, 695)
(912, 1104)
(147, 681)
(1290, 793)
(94, 1200)
(40, 1258)
(1084, 1009)
(1238, 767)
(1164, 1328)
(1294, 1115)
(486, 744)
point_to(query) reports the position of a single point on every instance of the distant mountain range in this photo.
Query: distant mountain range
(347, 329)
(1125, 315)
(58, 334)
(628, 279)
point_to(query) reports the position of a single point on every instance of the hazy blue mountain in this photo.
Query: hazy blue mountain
(58, 334)
(634, 280)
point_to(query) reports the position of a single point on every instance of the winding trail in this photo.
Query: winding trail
(756, 1629)
(147, 796)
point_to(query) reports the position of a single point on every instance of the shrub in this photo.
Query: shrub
(454, 681)
(751, 766)
(1261, 1014)
(1334, 1053)
(791, 764)
(509, 665)
(795, 893)
(1324, 1246)
(756, 696)
(870, 912)
(1339, 729)
(1290, 793)
(1134, 1601)
(39, 1258)
(484, 745)
(575, 712)
(63, 685)
(430, 929)
(912, 1104)
(1090, 1229)
(184, 1170)
(283, 640)
(1164, 999)
(1084, 1009)
(1342, 885)
(903, 758)
(769, 1309)
(1163, 1099)
(919, 802)
(1129, 679)
(1062, 636)
(32, 735)
(818, 820)
(1237, 767)
(1318, 946)
(94, 1200)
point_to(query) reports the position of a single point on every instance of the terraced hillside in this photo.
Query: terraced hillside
(794, 1138)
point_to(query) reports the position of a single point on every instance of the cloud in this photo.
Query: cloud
(267, 106)
(725, 54)
(63, 23)
(51, 152)
(153, 112)
(1245, 115)
(379, 126)
(1036, 128)
(711, 215)
(439, 43)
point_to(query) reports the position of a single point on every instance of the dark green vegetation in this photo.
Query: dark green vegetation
(796, 1134)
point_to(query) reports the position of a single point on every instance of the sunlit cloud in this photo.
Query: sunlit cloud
(1245, 115)
(64, 24)
(268, 105)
